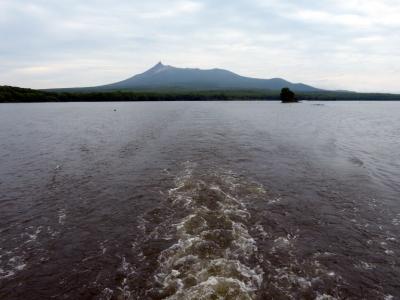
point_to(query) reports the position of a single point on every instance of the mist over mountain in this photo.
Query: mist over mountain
(163, 76)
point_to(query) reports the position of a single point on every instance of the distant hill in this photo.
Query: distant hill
(167, 77)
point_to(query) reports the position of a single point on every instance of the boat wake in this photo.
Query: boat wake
(215, 257)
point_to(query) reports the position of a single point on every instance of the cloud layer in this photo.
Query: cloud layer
(334, 44)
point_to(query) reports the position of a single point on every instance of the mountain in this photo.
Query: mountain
(163, 76)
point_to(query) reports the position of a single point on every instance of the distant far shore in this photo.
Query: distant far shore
(10, 94)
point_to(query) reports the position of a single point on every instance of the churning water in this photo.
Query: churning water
(200, 200)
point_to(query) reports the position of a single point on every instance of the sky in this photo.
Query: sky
(331, 44)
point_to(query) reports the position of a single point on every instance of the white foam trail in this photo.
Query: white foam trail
(211, 258)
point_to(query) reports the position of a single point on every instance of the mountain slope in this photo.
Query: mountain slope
(162, 76)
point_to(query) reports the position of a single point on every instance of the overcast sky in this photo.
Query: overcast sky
(333, 44)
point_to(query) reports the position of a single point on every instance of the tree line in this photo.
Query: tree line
(15, 95)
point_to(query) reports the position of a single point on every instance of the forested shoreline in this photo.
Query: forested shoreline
(10, 94)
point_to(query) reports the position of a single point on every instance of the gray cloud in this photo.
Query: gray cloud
(341, 44)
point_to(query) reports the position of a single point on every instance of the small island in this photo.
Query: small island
(287, 96)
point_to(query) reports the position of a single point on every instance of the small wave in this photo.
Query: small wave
(356, 161)
(124, 272)
(10, 264)
(32, 235)
(62, 215)
(106, 294)
(212, 258)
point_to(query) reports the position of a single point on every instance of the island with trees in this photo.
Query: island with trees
(287, 96)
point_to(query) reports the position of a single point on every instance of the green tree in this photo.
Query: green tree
(287, 96)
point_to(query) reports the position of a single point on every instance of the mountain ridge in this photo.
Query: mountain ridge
(162, 76)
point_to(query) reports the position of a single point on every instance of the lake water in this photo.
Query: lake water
(190, 200)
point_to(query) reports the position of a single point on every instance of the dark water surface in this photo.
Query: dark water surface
(200, 200)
